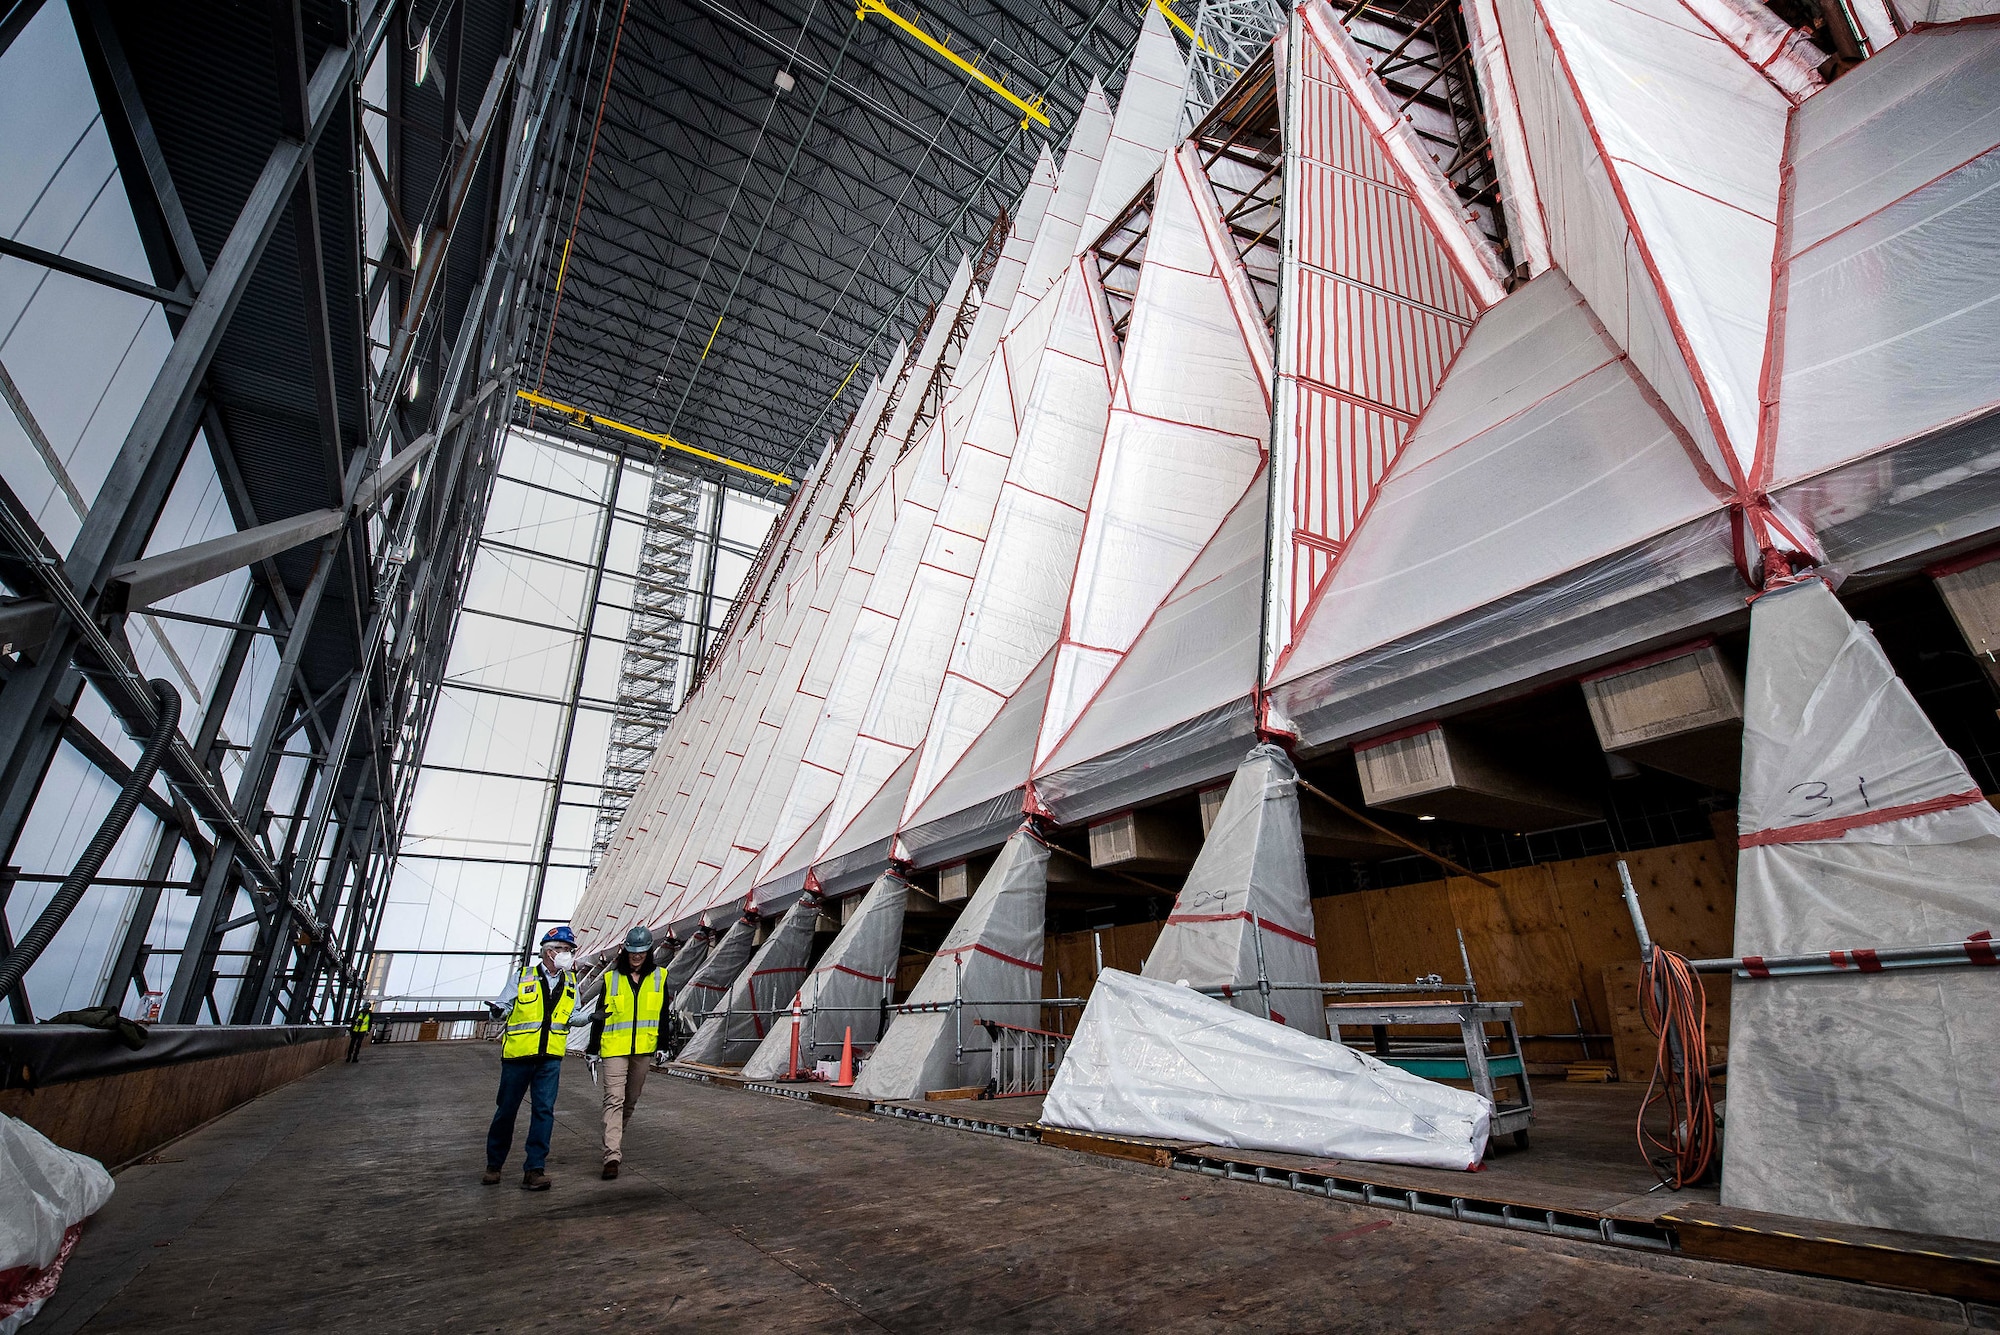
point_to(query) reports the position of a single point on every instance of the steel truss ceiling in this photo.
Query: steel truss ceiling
(803, 230)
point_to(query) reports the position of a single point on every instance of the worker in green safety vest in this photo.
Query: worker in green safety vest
(357, 1032)
(625, 1034)
(537, 1010)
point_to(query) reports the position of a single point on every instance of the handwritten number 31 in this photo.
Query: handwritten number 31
(1815, 799)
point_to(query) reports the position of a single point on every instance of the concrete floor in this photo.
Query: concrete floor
(350, 1201)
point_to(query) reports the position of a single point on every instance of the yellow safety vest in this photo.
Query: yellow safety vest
(362, 1021)
(532, 1031)
(632, 1022)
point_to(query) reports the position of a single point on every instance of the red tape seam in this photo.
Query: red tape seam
(988, 950)
(1243, 916)
(1833, 829)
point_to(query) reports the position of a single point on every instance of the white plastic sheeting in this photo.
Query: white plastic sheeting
(1244, 917)
(984, 789)
(1014, 610)
(760, 992)
(45, 1190)
(846, 988)
(705, 989)
(1376, 294)
(878, 637)
(1546, 464)
(1868, 1097)
(1185, 434)
(992, 961)
(1527, 233)
(1668, 97)
(899, 712)
(1147, 125)
(687, 961)
(1155, 1059)
(1891, 292)
(1176, 708)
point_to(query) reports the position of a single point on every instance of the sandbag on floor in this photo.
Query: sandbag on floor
(1152, 1058)
(46, 1192)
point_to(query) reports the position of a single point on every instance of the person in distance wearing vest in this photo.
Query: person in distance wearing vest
(625, 1034)
(357, 1032)
(537, 1009)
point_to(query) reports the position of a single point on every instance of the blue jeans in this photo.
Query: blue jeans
(538, 1077)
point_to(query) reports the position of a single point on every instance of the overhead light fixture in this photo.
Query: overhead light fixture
(416, 377)
(785, 81)
(417, 249)
(423, 56)
(1419, 818)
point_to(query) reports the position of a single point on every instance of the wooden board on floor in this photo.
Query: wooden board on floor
(1159, 1153)
(1955, 1267)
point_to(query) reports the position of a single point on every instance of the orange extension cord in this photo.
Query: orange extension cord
(1676, 1010)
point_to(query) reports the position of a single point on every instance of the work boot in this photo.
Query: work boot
(611, 1170)
(490, 1178)
(534, 1179)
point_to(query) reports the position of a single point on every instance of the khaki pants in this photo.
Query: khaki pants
(624, 1080)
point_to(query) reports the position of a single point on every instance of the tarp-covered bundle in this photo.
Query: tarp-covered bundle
(46, 1192)
(992, 962)
(1156, 1059)
(846, 988)
(1244, 918)
(687, 961)
(1866, 1097)
(760, 992)
(710, 984)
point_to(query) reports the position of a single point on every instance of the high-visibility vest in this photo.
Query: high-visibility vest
(632, 1015)
(533, 1030)
(361, 1022)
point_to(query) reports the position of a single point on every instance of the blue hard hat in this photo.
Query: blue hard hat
(638, 939)
(562, 934)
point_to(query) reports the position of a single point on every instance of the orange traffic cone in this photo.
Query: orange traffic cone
(846, 1059)
(793, 1074)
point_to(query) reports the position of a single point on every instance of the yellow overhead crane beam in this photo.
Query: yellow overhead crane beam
(590, 420)
(1030, 111)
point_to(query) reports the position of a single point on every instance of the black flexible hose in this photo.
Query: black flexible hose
(70, 893)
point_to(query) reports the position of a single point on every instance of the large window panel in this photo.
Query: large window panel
(510, 655)
(499, 734)
(475, 815)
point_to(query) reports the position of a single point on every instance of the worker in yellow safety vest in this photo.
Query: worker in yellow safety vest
(537, 1009)
(357, 1032)
(625, 1034)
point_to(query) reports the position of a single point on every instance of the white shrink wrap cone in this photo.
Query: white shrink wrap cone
(845, 989)
(1868, 1097)
(1245, 913)
(993, 959)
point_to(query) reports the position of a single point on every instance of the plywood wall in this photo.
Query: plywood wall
(1544, 938)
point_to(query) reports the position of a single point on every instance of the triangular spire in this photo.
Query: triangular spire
(1186, 433)
(1014, 610)
(1147, 123)
(1244, 919)
(1664, 145)
(846, 988)
(759, 994)
(992, 960)
(1860, 831)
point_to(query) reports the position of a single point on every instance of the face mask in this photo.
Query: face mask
(563, 961)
